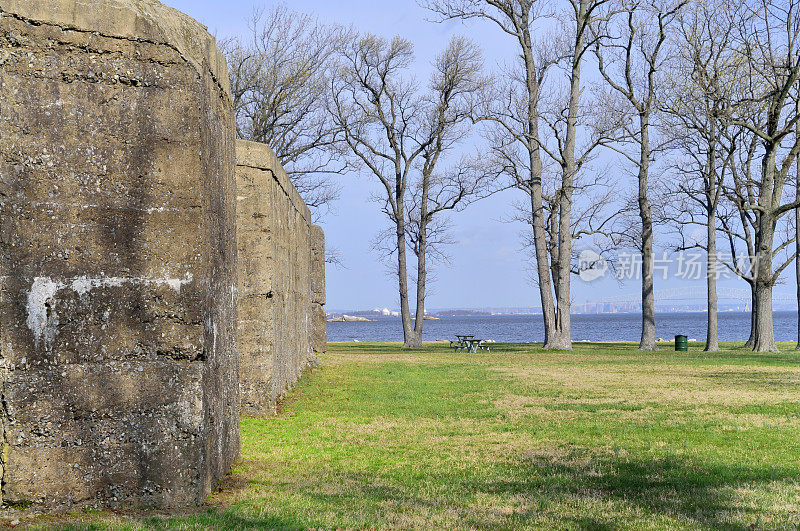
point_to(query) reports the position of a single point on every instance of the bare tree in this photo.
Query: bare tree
(568, 120)
(520, 118)
(767, 41)
(400, 134)
(280, 76)
(700, 91)
(797, 224)
(631, 55)
(739, 222)
(521, 122)
(592, 126)
(428, 228)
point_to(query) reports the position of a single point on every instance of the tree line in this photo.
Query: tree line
(697, 102)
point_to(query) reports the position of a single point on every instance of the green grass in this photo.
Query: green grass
(604, 437)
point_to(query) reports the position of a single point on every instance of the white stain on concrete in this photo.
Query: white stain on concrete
(162, 209)
(41, 308)
(83, 285)
(42, 316)
(176, 283)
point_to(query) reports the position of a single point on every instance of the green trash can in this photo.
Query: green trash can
(681, 344)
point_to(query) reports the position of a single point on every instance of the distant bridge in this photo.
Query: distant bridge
(633, 301)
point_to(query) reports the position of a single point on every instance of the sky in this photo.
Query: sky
(488, 266)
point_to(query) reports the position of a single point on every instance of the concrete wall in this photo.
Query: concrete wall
(319, 321)
(281, 280)
(118, 360)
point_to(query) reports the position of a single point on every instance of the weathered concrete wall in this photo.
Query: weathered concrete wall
(117, 255)
(281, 280)
(319, 322)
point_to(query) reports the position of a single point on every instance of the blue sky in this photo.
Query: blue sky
(488, 267)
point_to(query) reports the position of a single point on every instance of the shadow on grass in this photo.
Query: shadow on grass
(699, 493)
(230, 520)
(571, 490)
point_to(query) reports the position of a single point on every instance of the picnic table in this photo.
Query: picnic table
(469, 343)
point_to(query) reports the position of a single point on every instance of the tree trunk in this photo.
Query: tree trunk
(764, 241)
(797, 234)
(712, 342)
(562, 339)
(648, 340)
(422, 275)
(797, 251)
(542, 261)
(535, 191)
(765, 334)
(765, 338)
(751, 341)
(402, 277)
(563, 336)
(415, 341)
(712, 331)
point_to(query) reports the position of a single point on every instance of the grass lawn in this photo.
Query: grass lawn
(604, 437)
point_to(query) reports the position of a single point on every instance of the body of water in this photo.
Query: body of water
(733, 326)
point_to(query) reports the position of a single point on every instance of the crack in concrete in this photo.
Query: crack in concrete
(68, 27)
